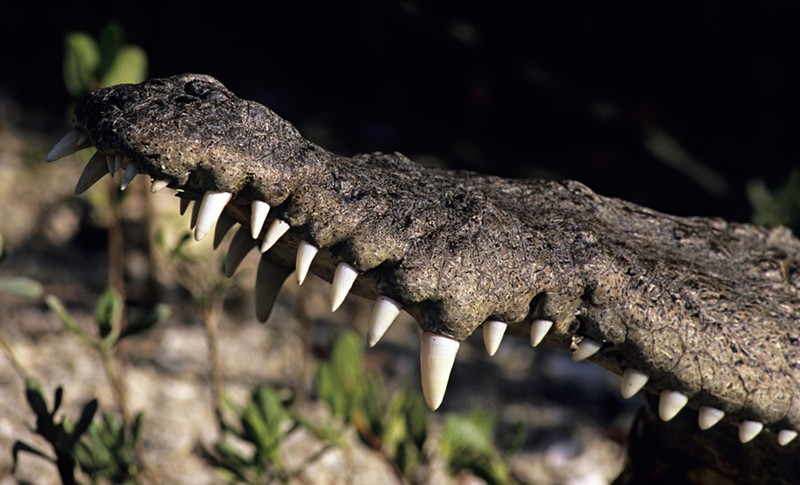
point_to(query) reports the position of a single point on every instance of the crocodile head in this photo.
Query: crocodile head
(696, 311)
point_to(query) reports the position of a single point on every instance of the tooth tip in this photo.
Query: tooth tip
(305, 256)
(343, 279)
(786, 436)
(539, 329)
(632, 382)
(258, 215)
(587, 348)
(437, 355)
(708, 416)
(70, 143)
(211, 208)
(383, 314)
(493, 332)
(748, 430)
(670, 404)
(277, 229)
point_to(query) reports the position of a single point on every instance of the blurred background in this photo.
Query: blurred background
(674, 105)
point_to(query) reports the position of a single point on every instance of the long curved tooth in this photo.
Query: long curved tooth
(785, 436)
(94, 171)
(130, 173)
(210, 209)
(708, 416)
(269, 279)
(158, 185)
(258, 216)
(241, 244)
(587, 348)
(493, 332)
(223, 227)
(274, 232)
(632, 382)
(670, 404)
(383, 314)
(305, 255)
(72, 142)
(749, 430)
(539, 329)
(185, 203)
(437, 355)
(343, 279)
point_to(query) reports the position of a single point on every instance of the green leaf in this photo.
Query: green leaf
(81, 59)
(87, 415)
(35, 397)
(55, 305)
(128, 66)
(21, 287)
(110, 40)
(107, 313)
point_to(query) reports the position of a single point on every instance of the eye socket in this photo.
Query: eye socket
(203, 90)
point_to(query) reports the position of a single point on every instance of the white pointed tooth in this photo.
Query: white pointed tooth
(749, 430)
(274, 232)
(210, 209)
(269, 279)
(437, 355)
(587, 348)
(785, 436)
(72, 142)
(130, 172)
(223, 227)
(258, 215)
(343, 279)
(708, 416)
(670, 404)
(539, 329)
(158, 185)
(493, 332)
(632, 382)
(185, 204)
(241, 244)
(305, 255)
(383, 314)
(94, 171)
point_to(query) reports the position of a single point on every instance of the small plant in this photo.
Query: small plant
(61, 434)
(107, 453)
(91, 63)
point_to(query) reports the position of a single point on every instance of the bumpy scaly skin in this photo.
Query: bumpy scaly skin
(703, 306)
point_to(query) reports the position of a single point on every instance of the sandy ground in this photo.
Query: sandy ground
(575, 419)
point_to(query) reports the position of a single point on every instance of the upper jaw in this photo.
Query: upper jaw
(149, 129)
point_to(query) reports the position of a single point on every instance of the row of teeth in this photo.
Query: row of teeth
(438, 352)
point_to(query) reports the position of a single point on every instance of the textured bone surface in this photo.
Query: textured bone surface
(701, 305)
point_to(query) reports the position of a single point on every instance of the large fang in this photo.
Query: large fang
(632, 382)
(539, 329)
(72, 142)
(269, 279)
(749, 430)
(785, 436)
(305, 255)
(210, 209)
(258, 215)
(670, 404)
(130, 172)
(383, 314)
(587, 348)
(224, 225)
(94, 171)
(241, 244)
(274, 232)
(437, 355)
(708, 416)
(343, 279)
(493, 332)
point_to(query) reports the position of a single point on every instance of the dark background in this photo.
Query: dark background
(568, 91)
